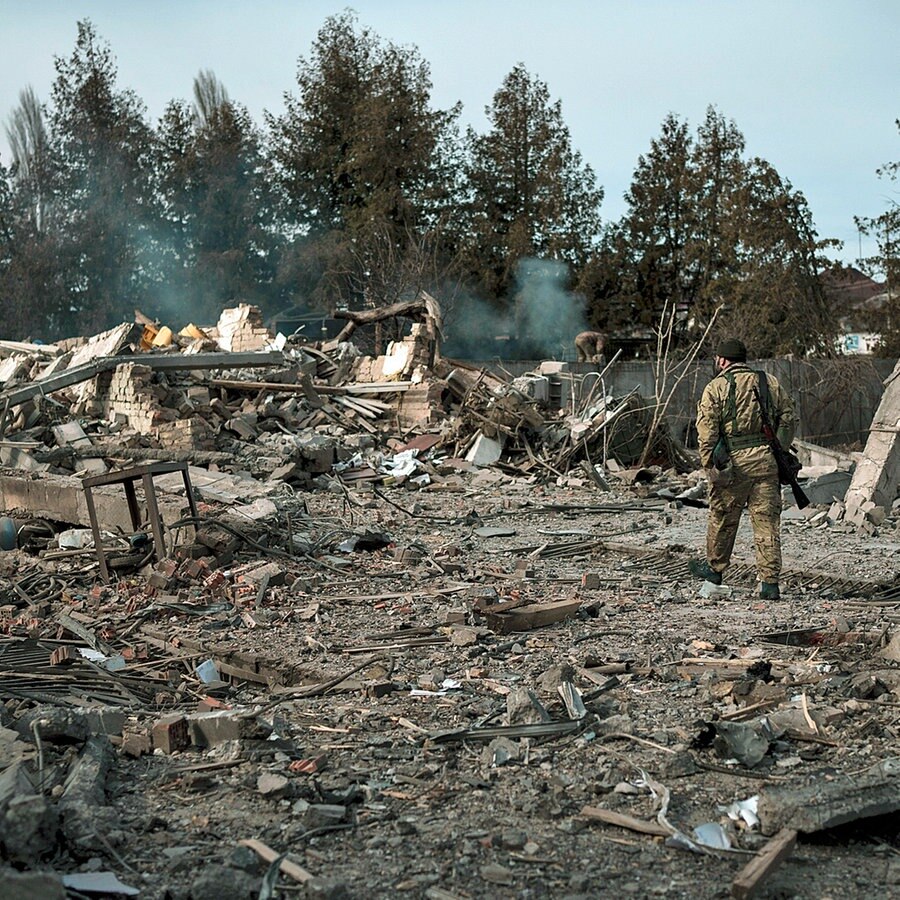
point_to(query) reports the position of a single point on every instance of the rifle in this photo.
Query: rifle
(788, 464)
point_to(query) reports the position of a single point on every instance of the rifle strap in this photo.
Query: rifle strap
(763, 395)
(763, 398)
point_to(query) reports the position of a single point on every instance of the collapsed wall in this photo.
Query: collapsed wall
(131, 394)
(877, 473)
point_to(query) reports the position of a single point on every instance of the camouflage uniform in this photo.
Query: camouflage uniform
(729, 409)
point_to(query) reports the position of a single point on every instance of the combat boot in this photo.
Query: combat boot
(701, 569)
(769, 591)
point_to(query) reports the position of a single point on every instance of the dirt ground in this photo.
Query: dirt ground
(371, 785)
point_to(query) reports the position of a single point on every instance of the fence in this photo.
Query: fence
(835, 399)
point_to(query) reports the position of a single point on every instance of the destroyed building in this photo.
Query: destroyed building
(281, 616)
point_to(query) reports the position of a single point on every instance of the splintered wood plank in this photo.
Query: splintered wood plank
(754, 874)
(534, 615)
(610, 817)
(291, 869)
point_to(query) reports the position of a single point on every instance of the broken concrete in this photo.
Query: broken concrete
(325, 664)
(31, 885)
(827, 804)
(61, 499)
(822, 489)
(877, 474)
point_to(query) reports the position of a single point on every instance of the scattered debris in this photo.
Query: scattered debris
(419, 623)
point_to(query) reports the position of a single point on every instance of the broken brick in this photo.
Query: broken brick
(62, 655)
(170, 734)
(136, 743)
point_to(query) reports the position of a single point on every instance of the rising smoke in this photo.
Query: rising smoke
(539, 321)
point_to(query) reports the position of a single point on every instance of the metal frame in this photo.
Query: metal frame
(127, 478)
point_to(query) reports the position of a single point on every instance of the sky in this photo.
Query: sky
(813, 85)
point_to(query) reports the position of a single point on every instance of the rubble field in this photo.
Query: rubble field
(286, 619)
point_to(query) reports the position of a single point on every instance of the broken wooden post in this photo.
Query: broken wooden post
(424, 308)
(754, 874)
(289, 868)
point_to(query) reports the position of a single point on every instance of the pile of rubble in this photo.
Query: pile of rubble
(366, 626)
(140, 392)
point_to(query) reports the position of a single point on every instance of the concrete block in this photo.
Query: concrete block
(826, 488)
(321, 815)
(31, 885)
(159, 581)
(207, 729)
(553, 367)
(105, 720)
(836, 512)
(272, 573)
(876, 514)
(212, 728)
(136, 743)
(318, 453)
(485, 451)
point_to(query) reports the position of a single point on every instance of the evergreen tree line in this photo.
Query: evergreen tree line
(361, 193)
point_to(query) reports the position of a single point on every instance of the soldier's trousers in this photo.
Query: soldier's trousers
(762, 497)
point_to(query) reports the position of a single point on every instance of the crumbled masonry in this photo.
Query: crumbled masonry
(389, 624)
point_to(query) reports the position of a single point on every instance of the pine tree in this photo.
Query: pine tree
(654, 238)
(707, 229)
(31, 155)
(107, 210)
(531, 194)
(212, 176)
(363, 164)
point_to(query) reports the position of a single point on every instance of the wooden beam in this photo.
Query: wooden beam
(297, 872)
(763, 864)
(409, 309)
(610, 817)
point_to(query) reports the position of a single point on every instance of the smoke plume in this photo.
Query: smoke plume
(539, 322)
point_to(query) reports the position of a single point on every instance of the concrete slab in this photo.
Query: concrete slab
(877, 474)
(823, 489)
(485, 451)
(61, 499)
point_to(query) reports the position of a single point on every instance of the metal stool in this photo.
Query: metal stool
(127, 478)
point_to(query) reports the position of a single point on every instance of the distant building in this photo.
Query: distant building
(854, 343)
(848, 287)
(857, 298)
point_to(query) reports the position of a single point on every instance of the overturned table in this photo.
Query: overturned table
(128, 478)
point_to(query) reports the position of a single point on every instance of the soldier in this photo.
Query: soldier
(740, 466)
(589, 346)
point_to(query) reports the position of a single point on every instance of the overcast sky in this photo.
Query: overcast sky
(814, 85)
